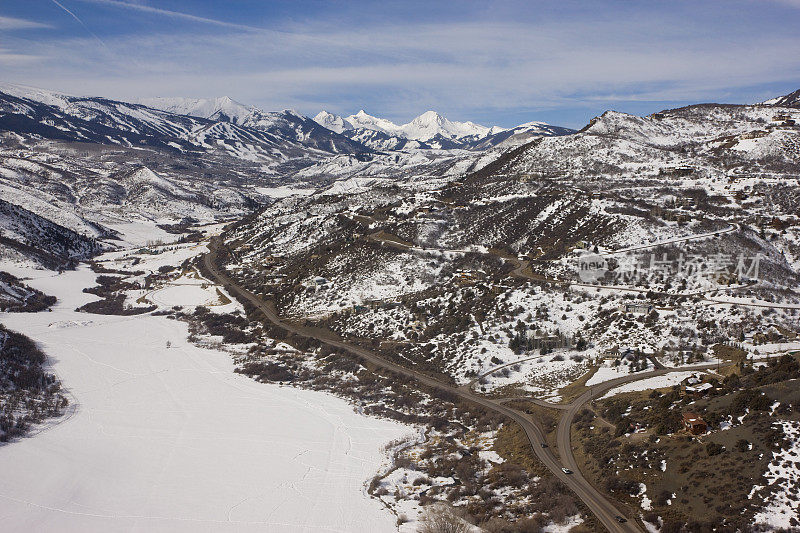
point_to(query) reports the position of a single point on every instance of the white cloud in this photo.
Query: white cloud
(10, 23)
(401, 69)
(11, 59)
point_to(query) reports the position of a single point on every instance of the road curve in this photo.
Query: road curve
(563, 433)
(598, 504)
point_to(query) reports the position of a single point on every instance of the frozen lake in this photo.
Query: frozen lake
(172, 440)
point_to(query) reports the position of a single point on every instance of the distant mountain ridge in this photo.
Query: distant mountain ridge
(223, 108)
(423, 128)
(431, 130)
(180, 124)
(244, 131)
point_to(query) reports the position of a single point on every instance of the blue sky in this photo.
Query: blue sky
(492, 62)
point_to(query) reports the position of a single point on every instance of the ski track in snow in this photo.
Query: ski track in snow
(171, 439)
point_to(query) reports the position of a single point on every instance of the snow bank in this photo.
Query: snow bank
(657, 382)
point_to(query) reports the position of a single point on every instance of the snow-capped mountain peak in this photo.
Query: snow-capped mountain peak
(223, 108)
(430, 124)
(333, 122)
(362, 119)
(422, 128)
(430, 118)
(429, 130)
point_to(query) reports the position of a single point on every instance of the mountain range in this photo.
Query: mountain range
(429, 130)
(244, 131)
(73, 167)
(185, 125)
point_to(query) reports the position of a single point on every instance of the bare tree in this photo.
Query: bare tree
(441, 518)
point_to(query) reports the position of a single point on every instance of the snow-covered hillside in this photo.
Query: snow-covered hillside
(789, 100)
(451, 248)
(707, 141)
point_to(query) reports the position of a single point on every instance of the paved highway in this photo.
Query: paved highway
(603, 509)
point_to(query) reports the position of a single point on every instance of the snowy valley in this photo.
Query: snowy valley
(257, 320)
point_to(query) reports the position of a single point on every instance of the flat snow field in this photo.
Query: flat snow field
(172, 440)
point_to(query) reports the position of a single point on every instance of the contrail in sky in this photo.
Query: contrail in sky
(73, 15)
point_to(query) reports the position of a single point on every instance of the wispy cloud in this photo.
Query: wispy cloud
(9, 58)
(79, 21)
(463, 68)
(10, 23)
(171, 14)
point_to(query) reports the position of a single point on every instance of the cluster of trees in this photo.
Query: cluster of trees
(21, 362)
(524, 339)
(28, 393)
(659, 413)
(32, 300)
(233, 328)
(111, 288)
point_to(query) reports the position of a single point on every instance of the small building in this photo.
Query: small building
(694, 423)
(548, 342)
(696, 391)
(611, 353)
(372, 304)
(781, 117)
(635, 308)
(418, 326)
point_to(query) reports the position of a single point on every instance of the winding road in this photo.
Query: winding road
(522, 270)
(602, 507)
